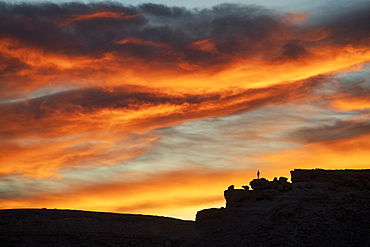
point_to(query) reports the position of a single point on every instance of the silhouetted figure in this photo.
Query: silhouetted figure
(258, 174)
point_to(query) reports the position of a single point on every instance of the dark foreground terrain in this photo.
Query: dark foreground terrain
(319, 208)
(54, 228)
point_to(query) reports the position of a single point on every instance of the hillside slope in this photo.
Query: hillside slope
(48, 227)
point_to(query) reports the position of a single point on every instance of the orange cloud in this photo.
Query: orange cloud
(137, 41)
(68, 20)
(351, 104)
(204, 45)
(297, 17)
(52, 134)
(40, 158)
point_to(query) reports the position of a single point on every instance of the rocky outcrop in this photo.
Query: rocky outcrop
(319, 208)
(262, 189)
(260, 184)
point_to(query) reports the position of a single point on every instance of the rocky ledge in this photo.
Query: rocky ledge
(319, 208)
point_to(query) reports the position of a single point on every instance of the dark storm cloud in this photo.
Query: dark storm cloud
(350, 26)
(62, 28)
(293, 50)
(236, 30)
(42, 25)
(226, 20)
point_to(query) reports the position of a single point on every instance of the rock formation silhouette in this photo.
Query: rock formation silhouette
(318, 208)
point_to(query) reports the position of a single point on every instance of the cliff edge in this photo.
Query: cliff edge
(319, 208)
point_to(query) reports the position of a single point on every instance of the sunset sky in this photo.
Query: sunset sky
(156, 108)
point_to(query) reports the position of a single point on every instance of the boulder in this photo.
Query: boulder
(236, 197)
(260, 184)
(283, 180)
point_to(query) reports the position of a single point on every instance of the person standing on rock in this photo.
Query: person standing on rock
(258, 174)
